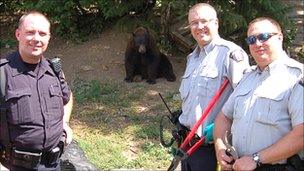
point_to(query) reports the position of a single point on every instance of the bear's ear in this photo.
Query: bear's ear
(146, 28)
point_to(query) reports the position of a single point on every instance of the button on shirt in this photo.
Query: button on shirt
(206, 70)
(266, 105)
(35, 103)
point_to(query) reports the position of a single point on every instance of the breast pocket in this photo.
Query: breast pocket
(185, 83)
(208, 81)
(54, 104)
(270, 108)
(241, 102)
(20, 106)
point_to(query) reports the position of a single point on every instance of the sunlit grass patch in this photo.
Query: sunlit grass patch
(118, 125)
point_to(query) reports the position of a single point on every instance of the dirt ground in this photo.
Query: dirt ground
(102, 58)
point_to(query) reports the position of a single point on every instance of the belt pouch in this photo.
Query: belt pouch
(25, 159)
(53, 156)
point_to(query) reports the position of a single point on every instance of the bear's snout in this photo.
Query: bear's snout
(142, 49)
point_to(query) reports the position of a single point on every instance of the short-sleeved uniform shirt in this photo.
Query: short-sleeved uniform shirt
(35, 103)
(266, 105)
(205, 72)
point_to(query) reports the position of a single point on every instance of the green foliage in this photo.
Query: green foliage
(235, 15)
(7, 42)
(300, 54)
(78, 19)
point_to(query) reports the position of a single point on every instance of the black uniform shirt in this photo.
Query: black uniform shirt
(35, 102)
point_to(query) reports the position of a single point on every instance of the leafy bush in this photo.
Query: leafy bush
(235, 15)
(79, 19)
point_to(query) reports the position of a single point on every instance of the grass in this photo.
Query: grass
(118, 126)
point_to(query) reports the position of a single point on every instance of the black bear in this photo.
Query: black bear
(142, 57)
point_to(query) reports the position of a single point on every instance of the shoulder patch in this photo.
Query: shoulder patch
(301, 82)
(237, 55)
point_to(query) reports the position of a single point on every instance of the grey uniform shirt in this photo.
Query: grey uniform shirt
(206, 70)
(266, 105)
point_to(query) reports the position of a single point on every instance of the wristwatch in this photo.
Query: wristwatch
(256, 158)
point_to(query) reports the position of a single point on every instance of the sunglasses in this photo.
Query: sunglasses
(263, 37)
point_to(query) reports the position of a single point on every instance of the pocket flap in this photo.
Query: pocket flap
(243, 91)
(210, 72)
(17, 93)
(272, 91)
(55, 90)
(188, 72)
(271, 94)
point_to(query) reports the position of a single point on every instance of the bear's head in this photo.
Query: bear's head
(141, 39)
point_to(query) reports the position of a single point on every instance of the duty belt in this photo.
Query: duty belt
(31, 160)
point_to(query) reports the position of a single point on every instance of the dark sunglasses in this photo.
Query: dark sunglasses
(263, 37)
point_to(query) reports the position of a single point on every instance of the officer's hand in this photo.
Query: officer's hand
(224, 160)
(244, 163)
(208, 133)
(69, 133)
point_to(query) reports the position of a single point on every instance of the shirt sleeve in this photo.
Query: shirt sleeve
(238, 64)
(295, 105)
(66, 91)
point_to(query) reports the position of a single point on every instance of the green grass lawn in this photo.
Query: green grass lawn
(118, 126)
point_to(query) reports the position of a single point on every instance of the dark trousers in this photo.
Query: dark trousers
(268, 167)
(40, 167)
(203, 159)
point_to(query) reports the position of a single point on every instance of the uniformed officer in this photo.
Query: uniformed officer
(37, 99)
(213, 60)
(265, 112)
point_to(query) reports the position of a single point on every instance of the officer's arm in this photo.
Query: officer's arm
(66, 118)
(68, 109)
(238, 64)
(221, 124)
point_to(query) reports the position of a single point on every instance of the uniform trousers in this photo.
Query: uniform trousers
(203, 159)
(268, 167)
(41, 167)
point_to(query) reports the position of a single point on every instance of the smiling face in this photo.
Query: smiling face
(264, 52)
(203, 23)
(33, 35)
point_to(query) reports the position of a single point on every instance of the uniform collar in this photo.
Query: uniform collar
(274, 66)
(207, 48)
(18, 67)
(45, 67)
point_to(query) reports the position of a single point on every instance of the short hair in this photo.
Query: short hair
(36, 13)
(199, 5)
(272, 21)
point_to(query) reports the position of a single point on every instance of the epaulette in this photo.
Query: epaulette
(228, 44)
(249, 69)
(301, 82)
(3, 61)
(235, 50)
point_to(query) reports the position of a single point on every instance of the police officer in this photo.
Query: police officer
(213, 60)
(38, 101)
(265, 112)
